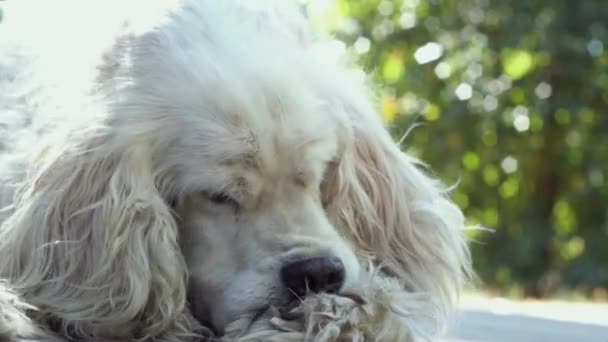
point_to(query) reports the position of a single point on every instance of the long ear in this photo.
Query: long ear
(92, 242)
(392, 210)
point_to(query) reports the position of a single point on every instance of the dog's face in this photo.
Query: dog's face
(246, 137)
(258, 213)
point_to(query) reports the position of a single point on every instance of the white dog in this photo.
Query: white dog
(207, 168)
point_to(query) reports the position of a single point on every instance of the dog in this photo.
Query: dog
(200, 165)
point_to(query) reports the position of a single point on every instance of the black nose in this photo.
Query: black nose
(325, 274)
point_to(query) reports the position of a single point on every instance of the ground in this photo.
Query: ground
(500, 320)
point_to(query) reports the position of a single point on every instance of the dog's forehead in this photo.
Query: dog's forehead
(285, 137)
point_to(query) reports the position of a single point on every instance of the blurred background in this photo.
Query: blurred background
(510, 98)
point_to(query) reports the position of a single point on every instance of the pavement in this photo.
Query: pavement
(501, 320)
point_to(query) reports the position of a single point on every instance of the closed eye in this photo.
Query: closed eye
(223, 199)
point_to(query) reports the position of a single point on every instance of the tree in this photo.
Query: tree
(512, 95)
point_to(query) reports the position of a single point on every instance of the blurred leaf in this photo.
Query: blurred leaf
(470, 161)
(517, 63)
(432, 112)
(393, 68)
(390, 108)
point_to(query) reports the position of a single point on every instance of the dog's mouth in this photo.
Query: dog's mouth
(280, 315)
(285, 311)
(270, 314)
(259, 314)
(291, 310)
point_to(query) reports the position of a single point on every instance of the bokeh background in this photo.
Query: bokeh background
(510, 98)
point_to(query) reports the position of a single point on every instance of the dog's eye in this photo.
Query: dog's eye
(222, 198)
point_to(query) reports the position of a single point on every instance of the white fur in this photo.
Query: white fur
(110, 230)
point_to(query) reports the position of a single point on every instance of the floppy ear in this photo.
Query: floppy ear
(395, 213)
(92, 241)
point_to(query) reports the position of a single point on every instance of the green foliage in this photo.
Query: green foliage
(513, 95)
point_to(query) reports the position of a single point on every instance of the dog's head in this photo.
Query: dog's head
(223, 170)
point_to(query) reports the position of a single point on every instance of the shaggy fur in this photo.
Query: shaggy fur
(155, 175)
(377, 309)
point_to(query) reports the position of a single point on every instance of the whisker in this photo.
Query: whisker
(296, 295)
(354, 297)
